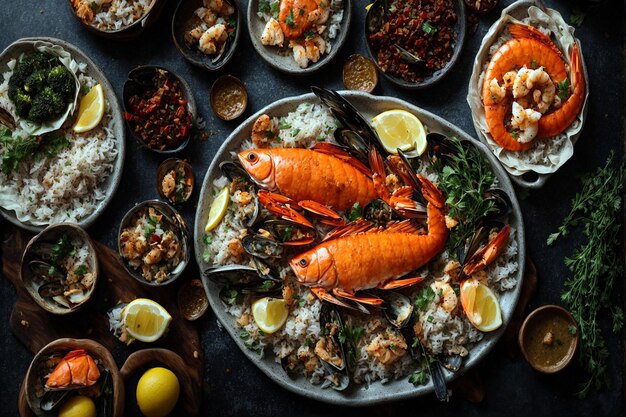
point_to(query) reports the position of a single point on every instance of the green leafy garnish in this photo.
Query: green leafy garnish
(275, 9)
(21, 149)
(420, 377)
(284, 125)
(295, 132)
(424, 298)
(207, 239)
(264, 7)
(465, 178)
(595, 265)
(150, 228)
(514, 134)
(533, 64)
(563, 89)
(81, 270)
(286, 233)
(244, 335)
(356, 212)
(309, 35)
(290, 21)
(62, 249)
(232, 296)
(267, 284)
(351, 336)
(428, 28)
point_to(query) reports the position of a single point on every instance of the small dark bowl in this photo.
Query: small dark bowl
(176, 221)
(168, 165)
(127, 32)
(459, 29)
(531, 319)
(133, 85)
(187, 291)
(228, 79)
(353, 58)
(184, 11)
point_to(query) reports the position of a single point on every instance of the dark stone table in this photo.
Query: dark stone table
(233, 385)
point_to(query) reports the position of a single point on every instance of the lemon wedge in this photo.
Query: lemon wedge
(218, 209)
(270, 314)
(91, 110)
(480, 305)
(145, 320)
(400, 129)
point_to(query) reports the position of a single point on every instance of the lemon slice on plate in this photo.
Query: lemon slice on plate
(270, 314)
(480, 305)
(400, 129)
(218, 209)
(91, 110)
(145, 320)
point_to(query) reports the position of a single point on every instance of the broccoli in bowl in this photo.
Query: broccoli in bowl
(41, 87)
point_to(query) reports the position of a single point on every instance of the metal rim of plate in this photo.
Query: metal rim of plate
(282, 59)
(113, 181)
(482, 55)
(376, 393)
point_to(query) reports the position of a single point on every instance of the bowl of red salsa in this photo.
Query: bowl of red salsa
(159, 109)
(415, 44)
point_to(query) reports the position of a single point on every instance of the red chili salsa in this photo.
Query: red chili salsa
(423, 27)
(159, 115)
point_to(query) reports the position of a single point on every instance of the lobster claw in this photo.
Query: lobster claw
(488, 253)
(328, 215)
(283, 207)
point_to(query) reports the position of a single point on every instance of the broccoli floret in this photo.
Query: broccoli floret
(42, 61)
(62, 82)
(20, 73)
(35, 82)
(22, 103)
(47, 105)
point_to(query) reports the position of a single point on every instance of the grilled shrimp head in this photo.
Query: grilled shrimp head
(315, 268)
(258, 163)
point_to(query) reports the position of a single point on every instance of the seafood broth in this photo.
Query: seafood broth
(549, 339)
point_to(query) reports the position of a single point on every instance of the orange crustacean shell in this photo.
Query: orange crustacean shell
(76, 369)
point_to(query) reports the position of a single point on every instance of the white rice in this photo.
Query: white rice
(67, 187)
(121, 13)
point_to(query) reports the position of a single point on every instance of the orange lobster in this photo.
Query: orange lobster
(360, 256)
(531, 47)
(76, 369)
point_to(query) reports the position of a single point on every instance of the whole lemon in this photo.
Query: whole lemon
(78, 406)
(157, 392)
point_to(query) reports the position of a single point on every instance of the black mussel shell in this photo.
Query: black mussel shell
(232, 274)
(265, 271)
(54, 398)
(397, 308)
(375, 17)
(51, 289)
(440, 147)
(232, 170)
(353, 143)
(479, 238)
(452, 363)
(502, 203)
(288, 232)
(439, 381)
(262, 247)
(378, 212)
(44, 270)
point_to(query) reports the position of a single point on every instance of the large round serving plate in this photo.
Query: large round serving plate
(376, 392)
(112, 181)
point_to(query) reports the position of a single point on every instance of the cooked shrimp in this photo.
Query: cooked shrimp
(300, 56)
(297, 16)
(263, 131)
(446, 295)
(314, 48)
(320, 15)
(208, 16)
(168, 184)
(220, 6)
(272, 34)
(526, 121)
(387, 347)
(213, 36)
(154, 256)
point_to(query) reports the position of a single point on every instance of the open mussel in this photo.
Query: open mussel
(408, 56)
(451, 362)
(378, 212)
(330, 350)
(397, 308)
(241, 180)
(52, 399)
(354, 143)
(45, 271)
(502, 203)
(242, 278)
(51, 289)
(440, 148)
(262, 247)
(376, 16)
(289, 233)
(439, 381)
(479, 239)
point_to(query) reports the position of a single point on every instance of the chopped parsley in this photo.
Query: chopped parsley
(284, 125)
(275, 9)
(80, 270)
(301, 12)
(207, 239)
(563, 89)
(309, 35)
(286, 233)
(289, 21)
(244, 335)
(424, 298)
(428, 28)
(419, 377)
(62, 249)
(295, 132)
(351, 336)
(267, 284)
(356, 212)
(232, 296)
(150, 228)
(264, 7)
(514, 134)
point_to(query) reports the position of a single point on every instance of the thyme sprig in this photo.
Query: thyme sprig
(595, 265)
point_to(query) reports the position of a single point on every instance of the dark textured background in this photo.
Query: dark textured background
(233, 385)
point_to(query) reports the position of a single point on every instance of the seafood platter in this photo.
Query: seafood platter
(356, 247)
(278, 242)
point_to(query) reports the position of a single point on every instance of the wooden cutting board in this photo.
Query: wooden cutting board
(35, 327)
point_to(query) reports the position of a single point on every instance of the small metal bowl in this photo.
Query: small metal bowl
(139, 80)
(42, 242)
(127, 32)
(34, 380)
(173, 164)
(217, 90)
(459, 29)
(192, 292)
(533, 318)
(185, 11)
(352, 59)
(176, 222)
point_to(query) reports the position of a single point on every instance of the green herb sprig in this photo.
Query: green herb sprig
(20, 149)
(351, 336)
(595, 265)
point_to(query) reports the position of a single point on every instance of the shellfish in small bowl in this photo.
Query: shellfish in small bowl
(60, 268)
(69, 371)
(528, 91)
(153, 243)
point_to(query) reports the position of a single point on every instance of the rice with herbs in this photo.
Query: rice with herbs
(68, 186)
(120, 13)
(380, 352)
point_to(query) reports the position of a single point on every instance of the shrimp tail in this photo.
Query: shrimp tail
(519, 31)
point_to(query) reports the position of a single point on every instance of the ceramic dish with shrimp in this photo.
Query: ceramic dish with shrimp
(298, 36)
(528, 91)
(355, 312)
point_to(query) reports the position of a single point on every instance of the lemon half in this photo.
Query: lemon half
(145, 320)
(218, 209)
(400, 129)
(270, 314)
(480, 305)
(91, 110)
